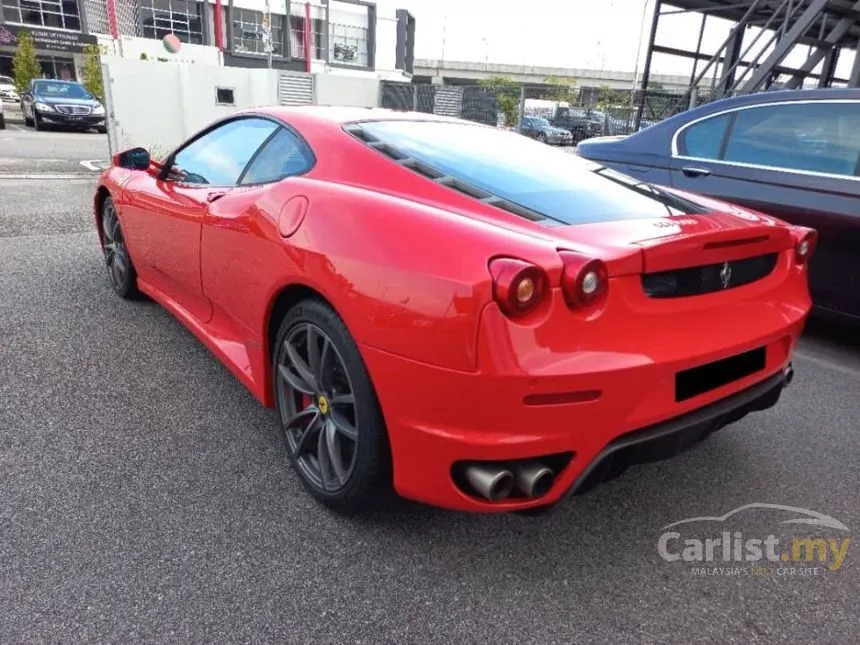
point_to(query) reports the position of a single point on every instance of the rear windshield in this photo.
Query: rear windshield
(558, 184)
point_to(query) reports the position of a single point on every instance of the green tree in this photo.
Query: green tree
(25, 67)
(507, 93)
(92, 71)
(561, 89)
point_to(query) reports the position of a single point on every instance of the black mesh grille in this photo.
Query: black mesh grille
(73, 109)
(694, 281)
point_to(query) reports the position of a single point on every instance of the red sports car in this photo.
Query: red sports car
(452, 311)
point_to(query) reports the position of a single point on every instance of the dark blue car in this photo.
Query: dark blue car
(791, 154)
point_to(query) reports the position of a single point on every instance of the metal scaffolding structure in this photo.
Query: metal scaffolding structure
(828, 28)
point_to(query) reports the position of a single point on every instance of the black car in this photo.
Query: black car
(793, 154)
(582, 123)
(61, 103)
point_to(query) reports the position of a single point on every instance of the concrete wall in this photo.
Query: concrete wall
(132, 48)
(157, 106)
(331, 89)
(386, 40)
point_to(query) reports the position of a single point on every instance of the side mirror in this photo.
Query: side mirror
(133, 159)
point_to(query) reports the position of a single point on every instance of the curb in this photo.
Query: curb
(49, 175)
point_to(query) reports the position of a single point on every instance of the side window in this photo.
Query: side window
(703, 140)
(219, 157)
(284, 155)
(816, 137)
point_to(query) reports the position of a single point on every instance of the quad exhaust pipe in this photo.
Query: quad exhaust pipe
(532, 478)
(496, 483)
(492, 483)
(788, 374)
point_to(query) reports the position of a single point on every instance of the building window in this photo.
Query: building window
(349, 25)
(297, 31)
(248, 32)
(180, 17)
(58, 14)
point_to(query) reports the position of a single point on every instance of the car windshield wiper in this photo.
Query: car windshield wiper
(669, 200)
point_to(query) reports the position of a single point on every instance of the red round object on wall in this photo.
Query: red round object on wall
(172, 43)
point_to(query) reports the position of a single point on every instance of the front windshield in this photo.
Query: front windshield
(61, 90)
(539, 120)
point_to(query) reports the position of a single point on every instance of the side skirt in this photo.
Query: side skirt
(225, 346)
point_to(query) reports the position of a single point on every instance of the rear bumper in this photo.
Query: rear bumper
(601, 393)
(438, 419)
(672, 437)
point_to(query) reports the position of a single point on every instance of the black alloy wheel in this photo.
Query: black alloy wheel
(329, 415)
(123, 277)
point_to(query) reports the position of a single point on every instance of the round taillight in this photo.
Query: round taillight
(583, 281)
(805, 247)
(525, 290)
(518, 286)
(590, 283)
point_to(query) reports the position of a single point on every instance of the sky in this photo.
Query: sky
(591, 34)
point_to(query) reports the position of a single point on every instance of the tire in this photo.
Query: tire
(121, 272)
(316, 418)
(2, 121)
(37, 124)
(27, 121)
(542, 137)
(101, 129)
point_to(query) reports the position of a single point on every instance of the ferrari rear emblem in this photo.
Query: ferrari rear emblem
(726, 275)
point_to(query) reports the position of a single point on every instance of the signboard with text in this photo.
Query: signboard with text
(47, 39)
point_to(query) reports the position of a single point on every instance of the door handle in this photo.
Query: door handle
(211, 197)
(695, 172)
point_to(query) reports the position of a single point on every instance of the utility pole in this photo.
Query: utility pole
(639, 46)
(267, 33)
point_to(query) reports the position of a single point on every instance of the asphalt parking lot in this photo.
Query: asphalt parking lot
(146, 497)
(24, 151)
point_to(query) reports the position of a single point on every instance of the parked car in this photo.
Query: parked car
(61, 103)
(580, 122)
(7, 90)
(537, 127)
(475, 319)
(794, 154)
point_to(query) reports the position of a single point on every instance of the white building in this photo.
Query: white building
(356, 37)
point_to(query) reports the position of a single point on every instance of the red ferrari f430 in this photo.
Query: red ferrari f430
(453, 311)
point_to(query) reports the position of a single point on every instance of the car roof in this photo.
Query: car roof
(656, 134)
(779, 96)
(339, 115)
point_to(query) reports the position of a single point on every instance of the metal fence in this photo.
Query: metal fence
(462, 101)
(585, 111)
